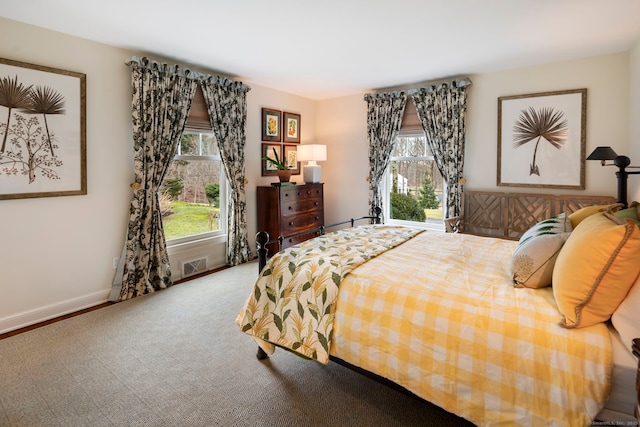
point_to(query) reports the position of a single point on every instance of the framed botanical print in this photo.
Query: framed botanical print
(42, 131)
(541, 139)
(291, 128)
(270, 151)
(271, 125)
(290, 156)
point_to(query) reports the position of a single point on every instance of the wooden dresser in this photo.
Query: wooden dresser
(290, 209)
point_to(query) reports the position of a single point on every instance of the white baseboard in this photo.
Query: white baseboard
(31, 317)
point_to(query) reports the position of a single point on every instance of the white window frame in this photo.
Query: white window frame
(385, 189)
(225, 189)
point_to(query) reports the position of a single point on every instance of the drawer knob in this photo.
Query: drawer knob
(314, 204)
(316, 217)
(290, 222)
(290, 207)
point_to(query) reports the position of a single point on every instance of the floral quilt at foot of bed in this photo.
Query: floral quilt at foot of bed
(293, 301)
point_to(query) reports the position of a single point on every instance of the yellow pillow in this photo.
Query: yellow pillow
(578, 216)
(595, 269)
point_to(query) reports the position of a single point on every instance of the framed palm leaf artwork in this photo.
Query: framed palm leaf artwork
(42, 131)
(541, 139)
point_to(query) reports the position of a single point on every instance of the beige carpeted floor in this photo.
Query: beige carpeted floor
(176, 358)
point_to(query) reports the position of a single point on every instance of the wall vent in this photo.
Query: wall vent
(194, 266)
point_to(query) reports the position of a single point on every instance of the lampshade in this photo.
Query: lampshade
(312, 152)
(602, 153)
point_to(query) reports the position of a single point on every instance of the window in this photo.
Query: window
(414, 185)
(193, 193)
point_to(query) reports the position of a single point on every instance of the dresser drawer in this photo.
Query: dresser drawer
(300, 206)
(296, 193)
(298, 222)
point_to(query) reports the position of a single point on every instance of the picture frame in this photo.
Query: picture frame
(291, 127)
(269, 169)
(290, 154)
(271, 125)
(43, 132)
(542, 139)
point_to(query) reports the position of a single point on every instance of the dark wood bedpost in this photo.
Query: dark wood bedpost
(262, 238)
(378, 212)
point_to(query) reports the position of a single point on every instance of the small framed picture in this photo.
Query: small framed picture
(291, 128)
(291, 157)
(271, 120)
(268, 168)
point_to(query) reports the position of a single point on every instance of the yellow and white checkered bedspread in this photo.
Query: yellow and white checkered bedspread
(439, 316)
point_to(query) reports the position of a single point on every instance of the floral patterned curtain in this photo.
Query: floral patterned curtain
(227, 104)
(384, 116)
(162, 97)
(442, 111)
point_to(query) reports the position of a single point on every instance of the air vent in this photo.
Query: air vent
(194, 266)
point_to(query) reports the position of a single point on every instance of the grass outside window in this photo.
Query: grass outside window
(190, 219)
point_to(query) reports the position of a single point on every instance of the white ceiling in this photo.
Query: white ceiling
(328, 48)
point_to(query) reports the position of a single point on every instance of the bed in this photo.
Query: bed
(451, 327)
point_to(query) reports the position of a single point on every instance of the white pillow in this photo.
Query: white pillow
(533, 259)
(626, 318)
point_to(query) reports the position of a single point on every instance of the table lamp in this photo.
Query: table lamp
(312, 153)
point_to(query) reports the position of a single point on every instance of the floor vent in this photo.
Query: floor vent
(194, 266)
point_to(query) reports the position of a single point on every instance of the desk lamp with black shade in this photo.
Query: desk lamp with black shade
(622, 162)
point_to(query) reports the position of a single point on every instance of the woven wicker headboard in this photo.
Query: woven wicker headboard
(509, 215)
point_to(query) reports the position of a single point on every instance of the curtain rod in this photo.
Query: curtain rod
(465, 81)
(163, 67)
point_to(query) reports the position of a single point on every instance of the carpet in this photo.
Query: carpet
(176, 358)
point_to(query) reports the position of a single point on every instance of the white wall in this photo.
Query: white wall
(56, 253)
(605, 77)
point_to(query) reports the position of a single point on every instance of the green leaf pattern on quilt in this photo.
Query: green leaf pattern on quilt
(292, 304)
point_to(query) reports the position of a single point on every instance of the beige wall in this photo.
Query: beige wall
(634, 120)
(605, 77)
(56, 253)
(342, 126)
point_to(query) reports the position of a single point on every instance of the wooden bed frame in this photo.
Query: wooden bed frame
(509, 215)
(492, 214)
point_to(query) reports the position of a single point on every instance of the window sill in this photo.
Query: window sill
(432, 225)
(196, 242)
